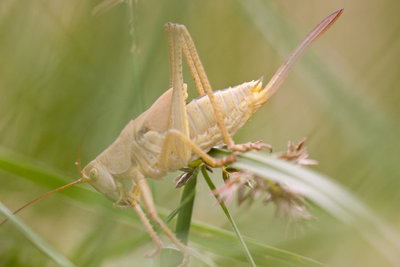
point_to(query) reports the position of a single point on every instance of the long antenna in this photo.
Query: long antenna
(81, 180)
(280, 75)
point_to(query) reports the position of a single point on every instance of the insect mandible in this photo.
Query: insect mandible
(173, 132)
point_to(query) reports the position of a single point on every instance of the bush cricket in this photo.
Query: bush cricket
(173, 132)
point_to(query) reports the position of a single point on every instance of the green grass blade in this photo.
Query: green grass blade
(35, 239)
(328, 195)
(229, 216)
(172, 257)
(185, 213)
(181, 204)
(224, 243)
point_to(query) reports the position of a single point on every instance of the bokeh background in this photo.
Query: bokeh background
(68, 75)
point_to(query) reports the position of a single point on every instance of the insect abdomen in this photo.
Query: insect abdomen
(237, 104)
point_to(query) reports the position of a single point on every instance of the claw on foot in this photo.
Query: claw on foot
(251, 146)
(185, 260)
(153, 253)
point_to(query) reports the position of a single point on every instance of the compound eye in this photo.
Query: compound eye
(93, 174)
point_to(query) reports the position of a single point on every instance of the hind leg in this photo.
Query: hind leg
(202, 84)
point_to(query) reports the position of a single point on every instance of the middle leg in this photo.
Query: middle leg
(148, 203)
(142, 216)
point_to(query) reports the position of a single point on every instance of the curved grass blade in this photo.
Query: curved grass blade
(224, 243)
(35, 239)
(330, 196)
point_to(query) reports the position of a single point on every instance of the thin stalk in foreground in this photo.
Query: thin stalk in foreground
(228, 215)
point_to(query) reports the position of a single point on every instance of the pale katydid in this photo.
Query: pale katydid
(173, 132)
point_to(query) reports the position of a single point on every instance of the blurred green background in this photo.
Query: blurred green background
(66, 74)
